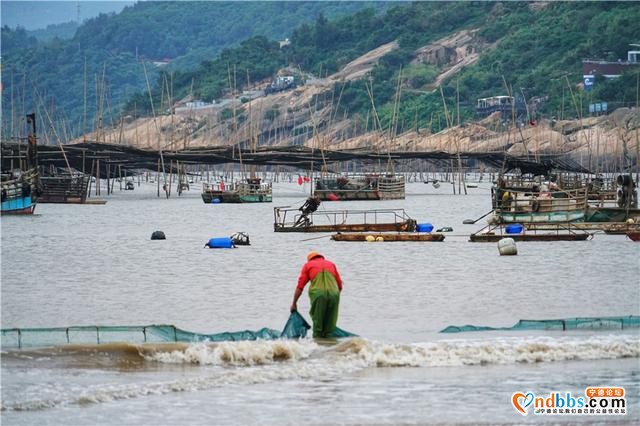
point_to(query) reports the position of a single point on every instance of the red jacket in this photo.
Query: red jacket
(313, 267)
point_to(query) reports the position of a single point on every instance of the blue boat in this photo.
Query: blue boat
(21, 188)
(18, 194)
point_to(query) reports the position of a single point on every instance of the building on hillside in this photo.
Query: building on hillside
(281, 83)
(197, 103)
(189, 103)
(608, 69)
(506, 105)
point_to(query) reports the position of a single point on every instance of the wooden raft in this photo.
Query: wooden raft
(491, 237)
(388, 237)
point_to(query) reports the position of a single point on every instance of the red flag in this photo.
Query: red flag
(299, 180)
(307, 179)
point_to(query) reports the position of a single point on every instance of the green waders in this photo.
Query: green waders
(325, 300)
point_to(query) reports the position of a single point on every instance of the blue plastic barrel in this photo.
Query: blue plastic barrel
(424, 227)
(224, 242)
(514, 228)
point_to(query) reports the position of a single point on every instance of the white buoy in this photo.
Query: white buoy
(507, 247)
(379, 239)
(370, 238)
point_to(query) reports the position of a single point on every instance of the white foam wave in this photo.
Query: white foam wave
(246, 363)
(494, 351)
(247, 353)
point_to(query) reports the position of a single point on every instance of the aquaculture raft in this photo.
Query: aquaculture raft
(554, 232)
(368, 187)
(381, 220)
(65, 189)
(251, 191)
(388, 237)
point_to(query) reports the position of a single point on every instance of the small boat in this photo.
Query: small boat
(19, 193)
(408, 236)
(360, 187)
(250, 191)
(382, 220)
(519, 205)
(21, 188)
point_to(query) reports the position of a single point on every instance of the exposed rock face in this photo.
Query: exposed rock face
(450, 50)
(452, 53)
(305, 116)
(358, 68)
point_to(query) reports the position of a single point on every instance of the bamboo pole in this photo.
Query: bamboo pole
(97, 177)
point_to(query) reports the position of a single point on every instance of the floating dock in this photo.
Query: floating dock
(550, 232)
(381, 220)
(387, 237)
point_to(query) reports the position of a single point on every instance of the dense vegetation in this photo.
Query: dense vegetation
(536, 52)
(113, 46)
(544, 51)
(324, 47)
(62, 31)
(18, 39)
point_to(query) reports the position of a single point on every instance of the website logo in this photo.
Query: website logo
(596, 401)
(522, 401)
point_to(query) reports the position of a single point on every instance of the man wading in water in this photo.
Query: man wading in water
(324, 293)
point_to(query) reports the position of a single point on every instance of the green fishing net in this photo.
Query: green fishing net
(295, 328)
(608, 323)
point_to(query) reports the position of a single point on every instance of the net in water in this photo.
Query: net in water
(295, 328)
(594, 323)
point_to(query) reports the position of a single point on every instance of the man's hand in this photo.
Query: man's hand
(296, 296)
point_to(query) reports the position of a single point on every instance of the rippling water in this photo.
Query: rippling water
(87, 265)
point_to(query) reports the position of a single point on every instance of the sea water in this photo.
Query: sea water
(96, 265)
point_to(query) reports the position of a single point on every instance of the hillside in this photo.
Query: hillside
(396, 70)
(469, 50)
(113, 46)
(304, 116)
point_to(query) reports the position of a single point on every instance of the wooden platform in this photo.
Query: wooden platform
(287, 219)
(388, 237)
(492, 237)
(550, 231)
(608, 227)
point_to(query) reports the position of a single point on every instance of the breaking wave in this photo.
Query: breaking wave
(245, 363)
(247, 353)
(496, 351)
